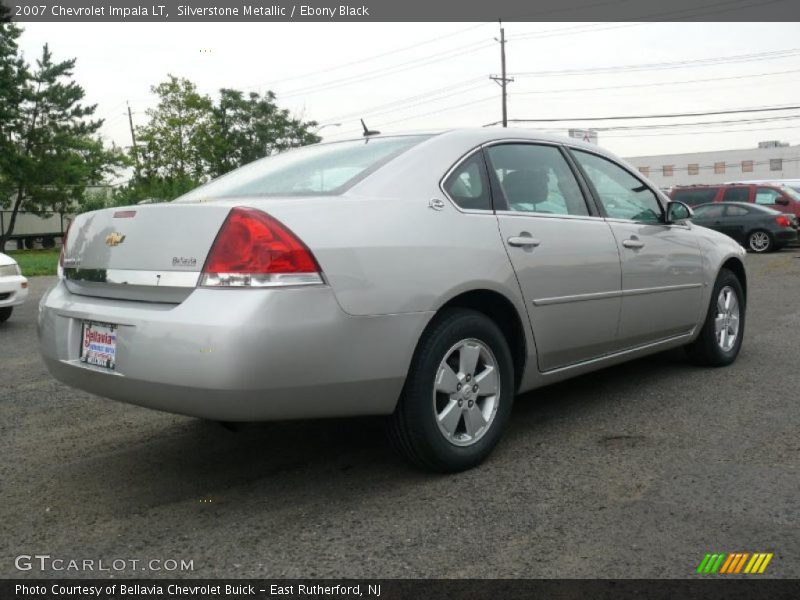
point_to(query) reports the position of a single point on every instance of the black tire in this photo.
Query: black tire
(705, 350)
(769, 247)
(5, 313)
(413, 428)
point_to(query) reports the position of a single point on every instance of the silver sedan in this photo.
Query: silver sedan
(429, 278)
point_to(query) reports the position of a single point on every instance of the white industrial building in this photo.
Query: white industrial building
(770, 160)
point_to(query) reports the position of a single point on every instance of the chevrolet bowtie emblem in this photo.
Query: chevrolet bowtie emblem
(114, 239)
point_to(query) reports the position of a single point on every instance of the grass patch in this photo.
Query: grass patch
(36, 262)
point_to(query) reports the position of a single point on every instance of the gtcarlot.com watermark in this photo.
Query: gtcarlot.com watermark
(48, 563)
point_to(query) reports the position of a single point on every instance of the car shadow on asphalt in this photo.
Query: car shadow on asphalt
(202, 462)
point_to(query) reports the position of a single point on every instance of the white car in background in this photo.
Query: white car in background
(13, 286)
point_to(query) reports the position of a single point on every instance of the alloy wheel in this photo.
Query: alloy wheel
(726, 323)
(466, 392)
(759, 241)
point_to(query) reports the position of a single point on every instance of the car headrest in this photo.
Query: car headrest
(526, 187)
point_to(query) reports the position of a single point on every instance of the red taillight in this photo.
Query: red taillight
(782, 221)
(253, 249)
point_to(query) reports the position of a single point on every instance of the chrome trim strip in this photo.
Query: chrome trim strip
(614, 294)
(577, 298)
(82, 365)
(664, 288)
(180, 279)
(531, 214)
(613, 355)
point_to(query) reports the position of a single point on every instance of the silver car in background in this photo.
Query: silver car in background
(429, 278)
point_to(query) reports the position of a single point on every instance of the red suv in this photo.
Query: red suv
(779, 197)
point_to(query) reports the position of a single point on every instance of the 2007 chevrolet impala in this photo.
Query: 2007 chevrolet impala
(426, 277)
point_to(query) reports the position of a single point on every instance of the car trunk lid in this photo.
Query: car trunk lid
(146, 252)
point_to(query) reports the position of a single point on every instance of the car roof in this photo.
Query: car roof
(483, 135)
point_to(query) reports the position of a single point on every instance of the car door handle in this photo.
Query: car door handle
(523, 240)
(633, 243)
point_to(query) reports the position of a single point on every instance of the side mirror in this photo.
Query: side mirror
(678, 211)
(782, 201)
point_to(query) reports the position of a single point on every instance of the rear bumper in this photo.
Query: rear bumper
(236, 355)
(13, 291)
(786, 236)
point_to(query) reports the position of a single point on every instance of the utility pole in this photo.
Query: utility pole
(133, 134)
(503, 80)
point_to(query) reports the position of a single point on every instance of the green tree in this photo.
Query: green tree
(169, 157)
(51, 148)
(245, 128)
(189, 138)
(14, 75)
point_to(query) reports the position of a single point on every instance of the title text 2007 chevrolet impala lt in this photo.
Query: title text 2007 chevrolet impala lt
(429, 278)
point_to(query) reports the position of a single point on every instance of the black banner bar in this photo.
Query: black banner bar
(401, 589)
(401, 10)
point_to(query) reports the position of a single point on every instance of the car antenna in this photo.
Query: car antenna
(368, 132)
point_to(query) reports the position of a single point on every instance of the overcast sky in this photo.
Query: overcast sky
(435, 76)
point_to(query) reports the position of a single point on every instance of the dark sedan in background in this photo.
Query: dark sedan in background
(757, 228)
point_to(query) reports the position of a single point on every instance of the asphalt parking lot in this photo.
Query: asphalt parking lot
(635, 471)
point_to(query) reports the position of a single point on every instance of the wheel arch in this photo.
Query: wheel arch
(500, 309)
(736, 266)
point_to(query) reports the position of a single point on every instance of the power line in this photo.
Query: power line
(388, 106)
(656, 84)
(386, 71)
(656, 116)
(659, 134)
(775, 54)
(674, 125)
(370, 58)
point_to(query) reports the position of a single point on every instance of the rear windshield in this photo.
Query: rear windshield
(320, 169)
(696, 196)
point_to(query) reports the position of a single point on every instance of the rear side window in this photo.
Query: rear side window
(695, 197)
(320, 169)
(536, 179)
(767, 196)
(468, 185)
(737, 211)
(736, 194)
(709, 211)
(622, 195)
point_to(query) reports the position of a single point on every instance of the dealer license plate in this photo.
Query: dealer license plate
(99, 345)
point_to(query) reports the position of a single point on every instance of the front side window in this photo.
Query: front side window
(536, 179)
(736, 194)
(622, 195)
(319, 169)
(468, 185)
(767, 196)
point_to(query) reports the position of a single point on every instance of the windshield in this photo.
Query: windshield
(320, 169)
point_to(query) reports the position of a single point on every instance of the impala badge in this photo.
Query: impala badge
(114, 239)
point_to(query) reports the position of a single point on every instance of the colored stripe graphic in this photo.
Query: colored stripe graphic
(740, 564)
(764, 564)
(727, 564)
(734, 563)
